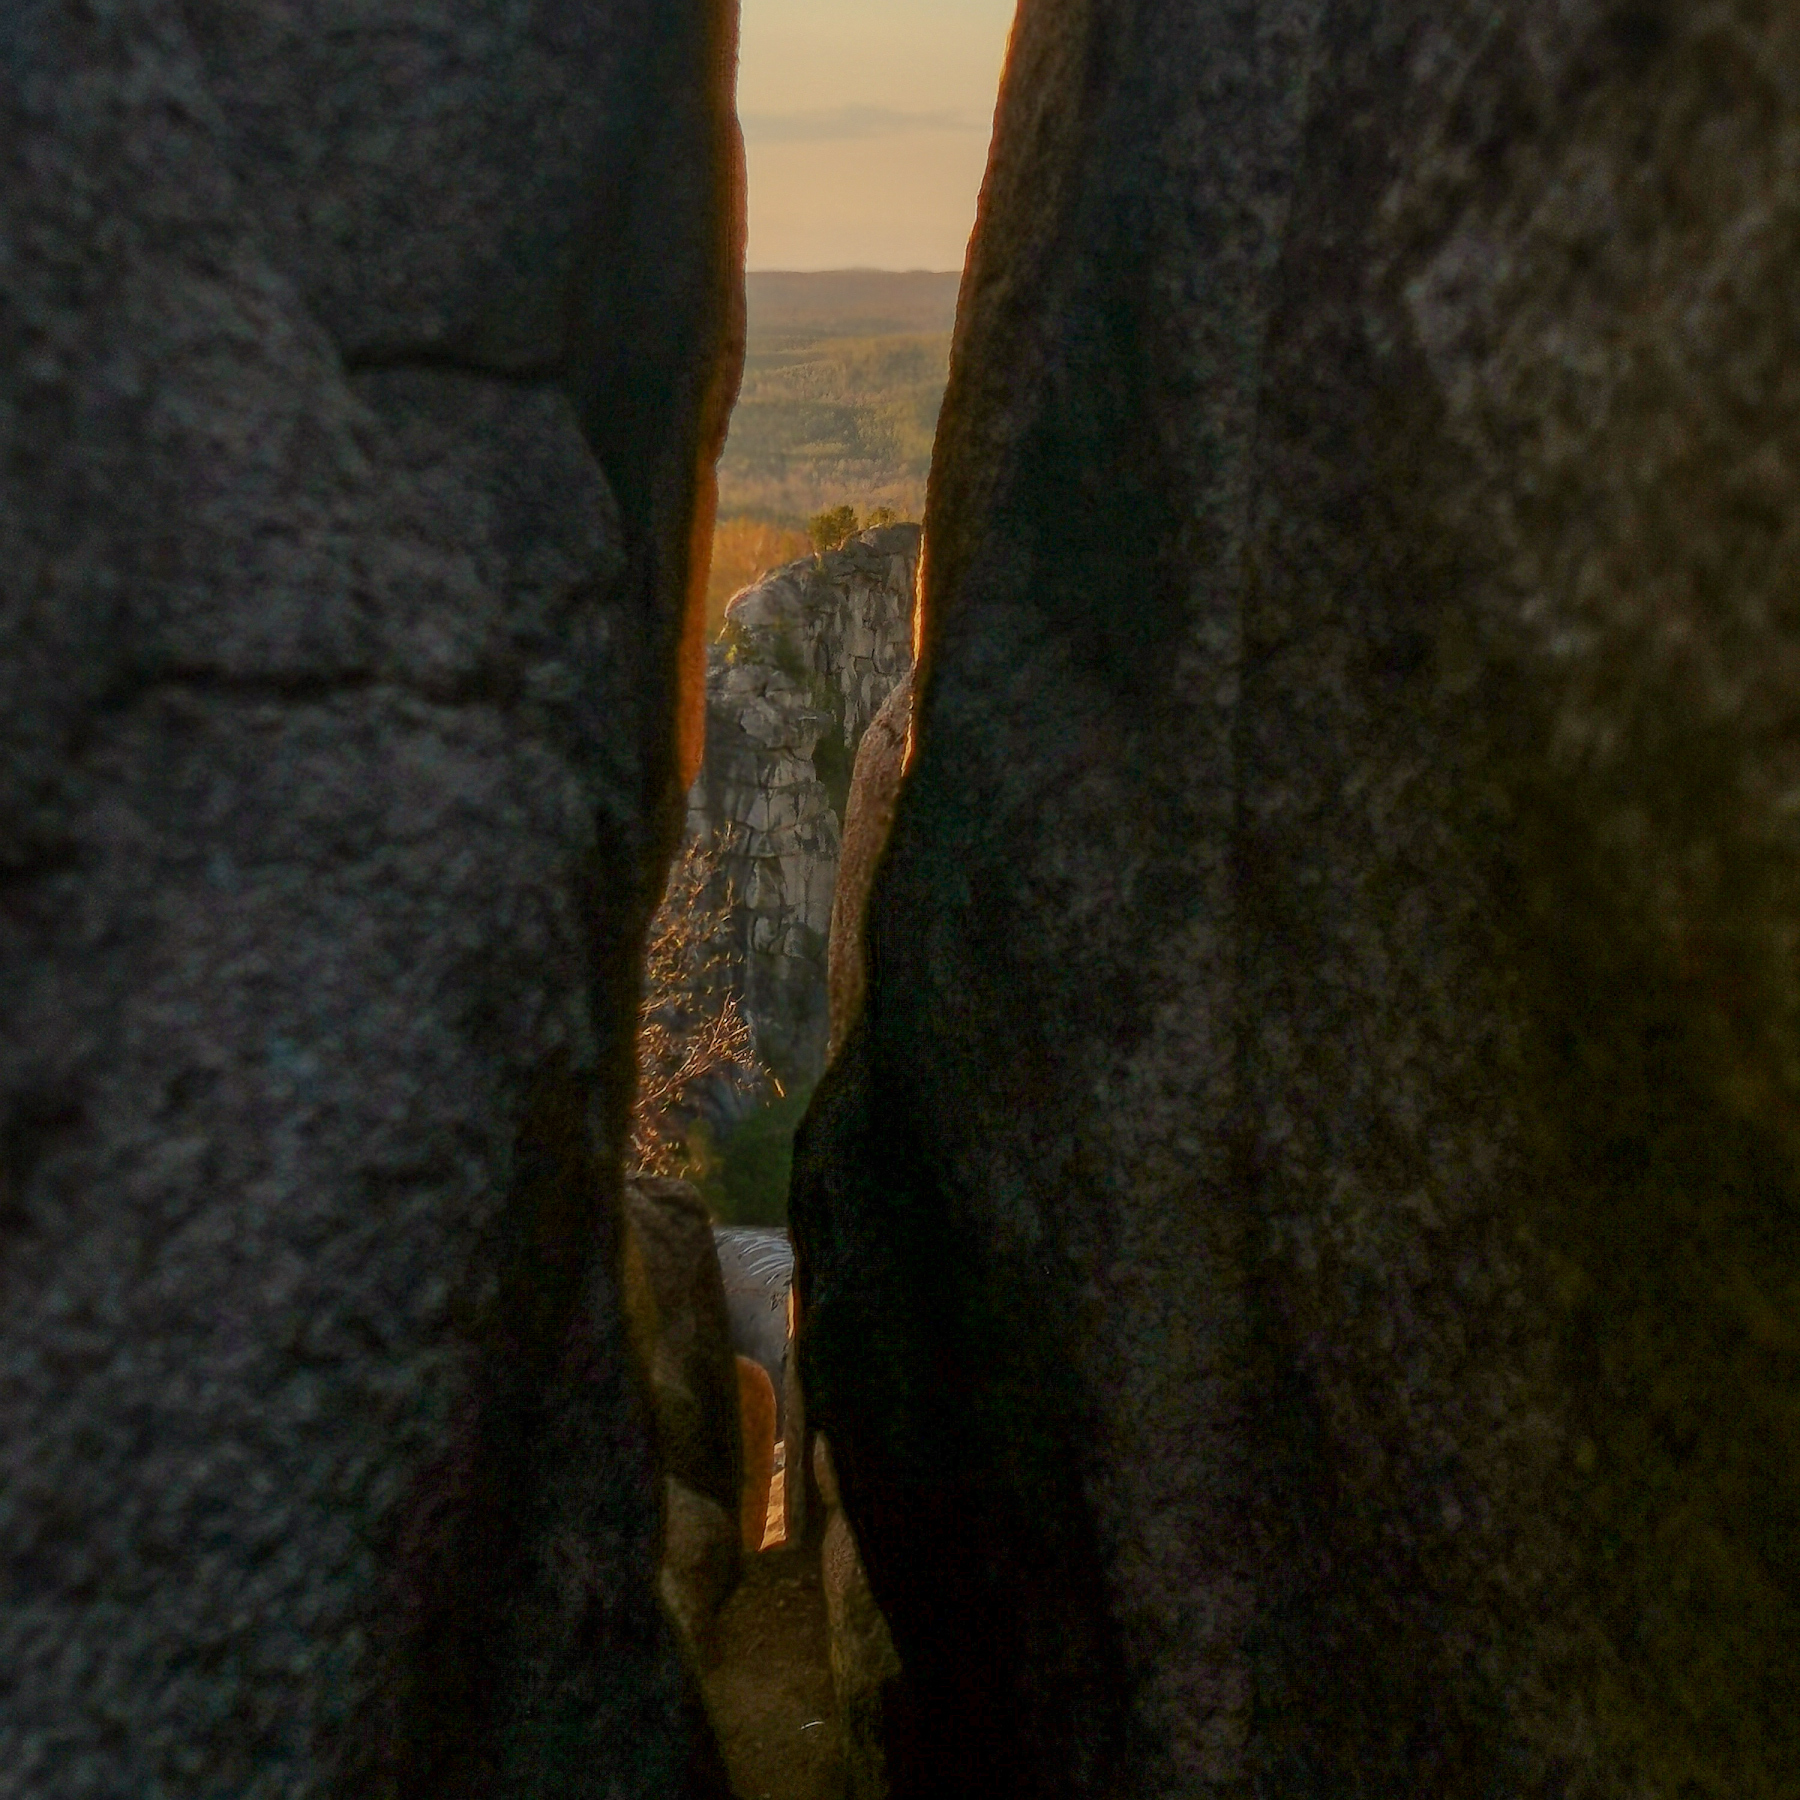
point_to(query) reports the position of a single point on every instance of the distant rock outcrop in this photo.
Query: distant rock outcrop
(809, 656)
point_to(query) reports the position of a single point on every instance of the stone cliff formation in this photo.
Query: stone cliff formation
(808, 657)
(361, 371)
(1297, 1249)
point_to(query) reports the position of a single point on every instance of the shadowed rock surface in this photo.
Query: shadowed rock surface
(866, 1678)
(868, 817)
(1298, 1254)
(692, 1367)
(702, 1560)
(362, 367)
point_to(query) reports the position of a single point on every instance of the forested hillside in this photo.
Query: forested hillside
(842, 384)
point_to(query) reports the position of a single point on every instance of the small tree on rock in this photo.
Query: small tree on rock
(829, 528)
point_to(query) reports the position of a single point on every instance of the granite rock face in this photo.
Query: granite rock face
(1298, 1252)
(360, 370)
(866, 1679)
(808, 657)
(868, 817)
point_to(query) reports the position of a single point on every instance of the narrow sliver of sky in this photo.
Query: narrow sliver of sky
(866, 126)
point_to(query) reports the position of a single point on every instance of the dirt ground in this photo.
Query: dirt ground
(770, 1691)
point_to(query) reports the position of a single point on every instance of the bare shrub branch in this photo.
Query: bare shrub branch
(690, 1028)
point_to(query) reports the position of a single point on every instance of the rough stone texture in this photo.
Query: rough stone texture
(800, 1511)
(756, 1413)
(866, 1678)
(358, 366)
(808, 658)
(701, 1563)
(868, 816)
(1298, 1256)
(691, 1364)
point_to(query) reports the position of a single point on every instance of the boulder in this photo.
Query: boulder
(699, 1568)
(1296, 1250)
(361, 365)
(797, 1500)
(692, 1368)
(756, 1411)
(866, 1678)
(868, 813)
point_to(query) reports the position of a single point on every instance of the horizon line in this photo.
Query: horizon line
(853, 269)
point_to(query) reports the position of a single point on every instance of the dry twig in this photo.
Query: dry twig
(690, 1028)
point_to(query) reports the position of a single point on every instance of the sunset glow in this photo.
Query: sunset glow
(866, 124)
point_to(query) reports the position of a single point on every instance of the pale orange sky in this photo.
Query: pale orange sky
(866, 125)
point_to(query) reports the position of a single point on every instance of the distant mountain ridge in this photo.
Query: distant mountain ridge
(850, 302)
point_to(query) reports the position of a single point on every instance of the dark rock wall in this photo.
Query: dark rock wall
(1299, 1253)
(692, 1364)
(868, 817)
(360, 368)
